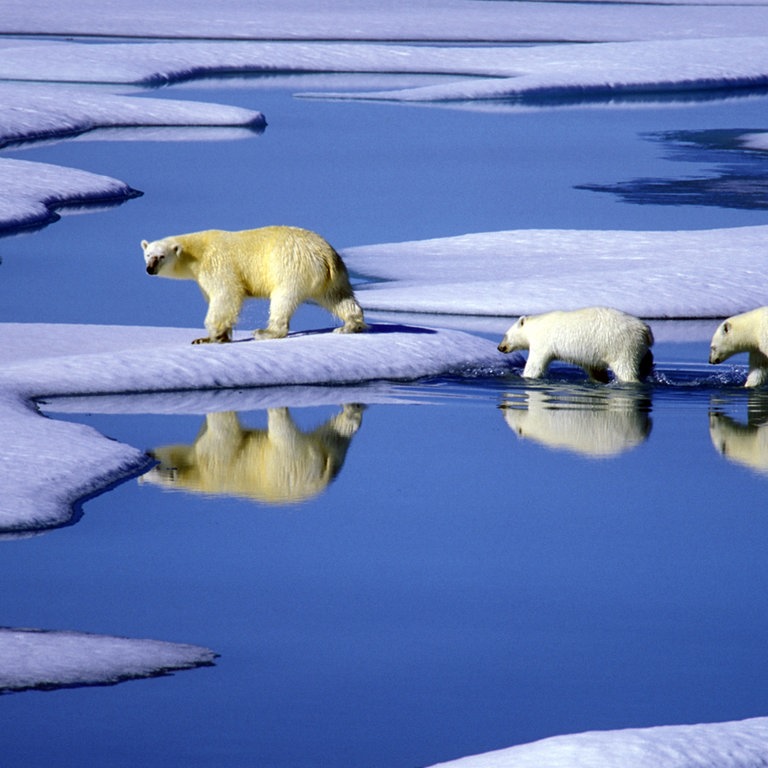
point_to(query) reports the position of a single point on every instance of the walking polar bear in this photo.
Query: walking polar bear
(288, 265)
(747, 332)
(594, 338)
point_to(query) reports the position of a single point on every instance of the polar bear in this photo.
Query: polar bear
(594, 338)
(747, 332)
(277, 465)
(288, 265)
(745, 444)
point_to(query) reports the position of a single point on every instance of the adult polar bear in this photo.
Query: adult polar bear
(594, 338)
(747, 332)
(288, 265)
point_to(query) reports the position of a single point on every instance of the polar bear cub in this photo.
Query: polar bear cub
(747, 332)
(594, 338)
(288, 265)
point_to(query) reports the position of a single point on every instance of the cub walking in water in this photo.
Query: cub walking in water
(594, 338)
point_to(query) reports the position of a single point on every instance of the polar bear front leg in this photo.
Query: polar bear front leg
(536, 365)
(223, 311)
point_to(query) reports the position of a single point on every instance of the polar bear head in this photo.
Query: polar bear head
(160, 255)
(516, 337)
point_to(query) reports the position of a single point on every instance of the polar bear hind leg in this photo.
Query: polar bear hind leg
(343, 305)
(598, 373)
(282, 305)
(758, 369)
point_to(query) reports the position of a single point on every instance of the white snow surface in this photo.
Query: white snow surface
(681, 274)
(47, 466)
(51, 90)
(32, 658)
(739, 744)
(32, 192)
(433, 20)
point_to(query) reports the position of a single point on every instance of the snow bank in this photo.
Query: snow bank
(606, 69)
(665, 48)
(480, 72)
(32, 658)
(696, 274)
(32, 192)
(742, 744)
(34, 113)
(47, 467)
(397, 353)
(459, 20)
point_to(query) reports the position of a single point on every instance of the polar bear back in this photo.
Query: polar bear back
(591, 336)
(267, 258)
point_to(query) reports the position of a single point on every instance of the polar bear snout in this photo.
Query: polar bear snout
(714, 357)
(153, 264)
(503, 346)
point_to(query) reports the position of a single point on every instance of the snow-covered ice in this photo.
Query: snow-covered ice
(673, 48)
(32, 192)
(423, 20)
(740, 744)
(46, 660)
(682, 274)
(46, 465)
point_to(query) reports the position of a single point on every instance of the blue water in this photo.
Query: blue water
(462, 584)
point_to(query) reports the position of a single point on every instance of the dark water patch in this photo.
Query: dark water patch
(740, 179)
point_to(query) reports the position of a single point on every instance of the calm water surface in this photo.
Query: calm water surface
(487, 562)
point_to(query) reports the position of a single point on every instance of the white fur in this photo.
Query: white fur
(285, 264)
(747, 332)
(594, 338)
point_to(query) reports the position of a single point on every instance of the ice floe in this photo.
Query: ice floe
(678, 274)
(424, 20)
(39, 659)
(45, 112)
(739, 744)
(607, 69)
(47, 467)
(32, 192)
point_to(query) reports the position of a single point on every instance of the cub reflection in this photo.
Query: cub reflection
(278, 465)
(745, 444)
(597, 424)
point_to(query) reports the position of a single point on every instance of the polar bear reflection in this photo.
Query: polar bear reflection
(745, 444)
(278, 465)
(600, 424)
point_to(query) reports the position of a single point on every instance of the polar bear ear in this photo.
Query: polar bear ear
(521, 321)
(726, 327)
(177, 249)
(144, 245)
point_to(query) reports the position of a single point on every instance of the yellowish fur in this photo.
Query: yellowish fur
(278, 465)
(288, 265)
(747, 332)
